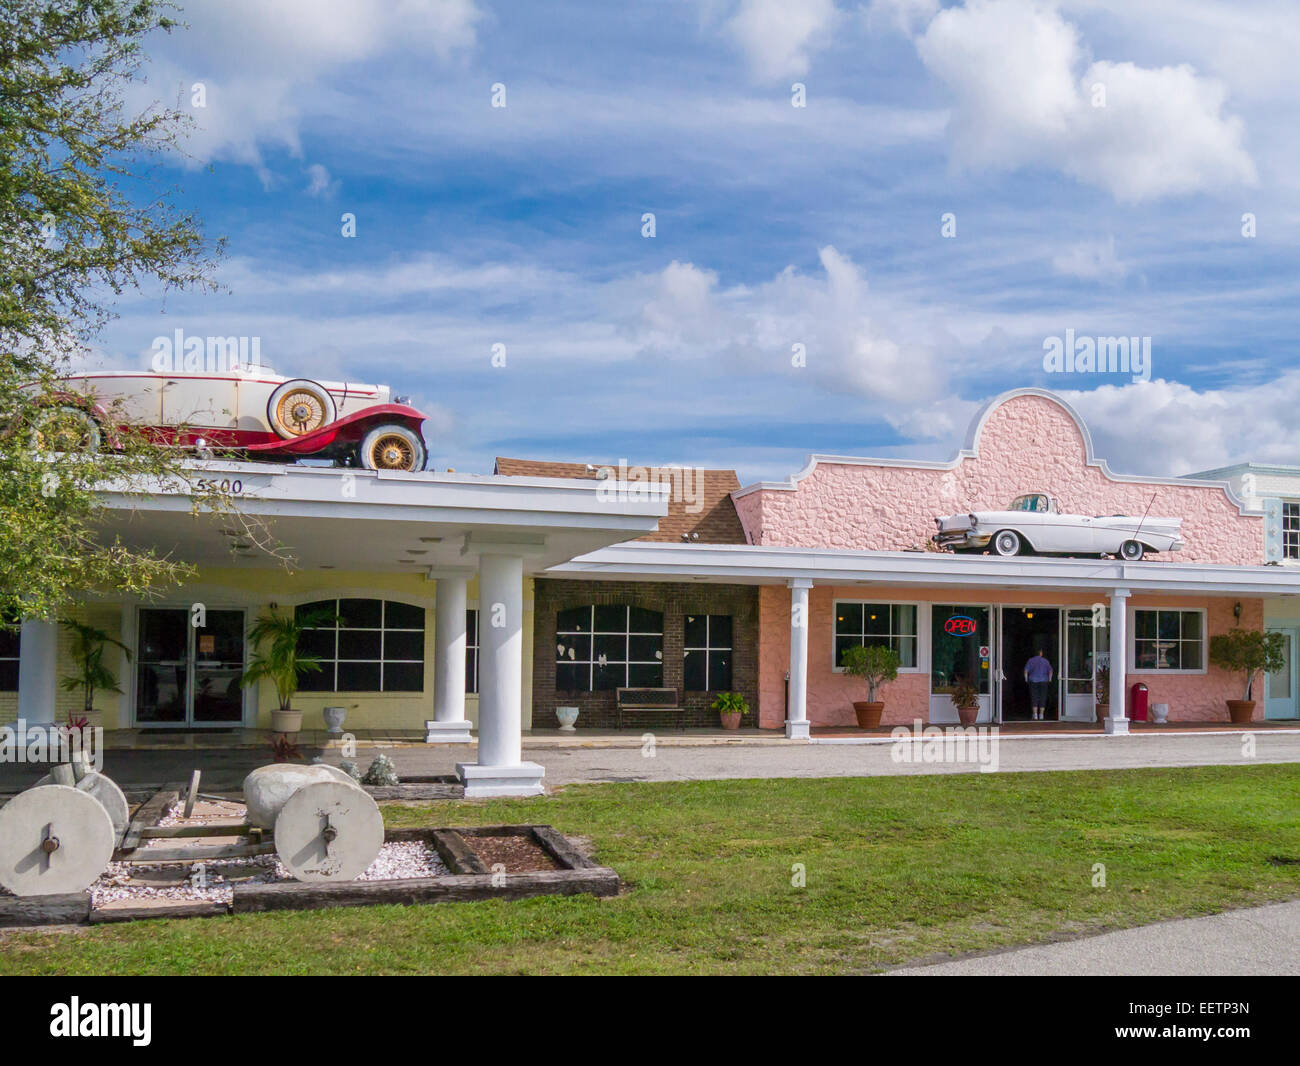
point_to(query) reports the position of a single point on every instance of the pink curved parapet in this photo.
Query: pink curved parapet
(1027, 440)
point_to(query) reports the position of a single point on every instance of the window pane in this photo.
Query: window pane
(317, 642)
(1144, 652)
(403, 677)
(361, 614)
(1167, 625)
(471, 627)
(1193, 651)
(848, 618)
(315, 607)
(9, 675)
(645, 649)
(906, 647)
(403, 616)
(610, 676)
(574, 620)
(321, 680)
(697, 630)
(1171, 656)
(1144, 625)
(402, 645)
(613, 648)
(719, 671)
(1191, 625)
(693, 671)
(641, 620)
(719, 631)
(611, 619)
(904, 619)
(471, 670)
(843, 644)
(570, 677)
(10, 639)
(875, 619)
(646, 676)
(573, 648)
(359, 644)
(358, 677)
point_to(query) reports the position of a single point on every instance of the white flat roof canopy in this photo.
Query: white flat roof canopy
(770, 565)
(328, 517)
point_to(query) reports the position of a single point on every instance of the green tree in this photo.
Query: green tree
(82, 219)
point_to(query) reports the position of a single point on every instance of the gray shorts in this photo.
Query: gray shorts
(1038, 693)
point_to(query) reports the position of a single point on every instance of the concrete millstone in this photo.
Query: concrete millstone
(268, 788)
(79, 823)
(104, 789)
(329, 831)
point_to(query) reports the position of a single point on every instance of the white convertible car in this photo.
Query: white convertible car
(1034, 523)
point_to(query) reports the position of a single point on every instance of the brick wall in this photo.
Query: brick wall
(597, 710)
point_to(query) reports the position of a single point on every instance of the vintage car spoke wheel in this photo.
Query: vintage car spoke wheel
(298, 407)
(1007, 542)
(65, 429)
(1131, 551)
(392, 448)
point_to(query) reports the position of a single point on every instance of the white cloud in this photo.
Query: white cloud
(319, 182)
(1023, 98)
(906, 16)
(778, 37)
(1091, 261)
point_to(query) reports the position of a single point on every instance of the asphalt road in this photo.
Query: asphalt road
(1258, 940)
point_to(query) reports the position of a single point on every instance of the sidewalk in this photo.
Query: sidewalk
(1256, 941)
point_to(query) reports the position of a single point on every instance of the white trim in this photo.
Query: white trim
(1133, 668)
(970, 450)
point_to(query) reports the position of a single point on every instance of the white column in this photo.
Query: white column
(500, 770)
(449, 725)
(37, 653)
(796, 722)
(1117, 722)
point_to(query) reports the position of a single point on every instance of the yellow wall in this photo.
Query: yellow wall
(254, 591)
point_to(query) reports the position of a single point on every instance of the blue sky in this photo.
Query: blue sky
(775, 225)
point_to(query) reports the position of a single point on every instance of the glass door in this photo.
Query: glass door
(1280, 699)
(189, 675)
(960, 651)
(1078, 665)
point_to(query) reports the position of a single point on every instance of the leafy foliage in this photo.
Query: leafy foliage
(1248, 651)
(730, 703)
(873, 663)
(84, 221)
(88, 646)
(275, 639)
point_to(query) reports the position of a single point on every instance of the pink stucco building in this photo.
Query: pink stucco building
(842, 554)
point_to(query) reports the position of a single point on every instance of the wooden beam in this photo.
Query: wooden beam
(561, 849)
(148, 814)
(198, 853)
(65, 908)
(458, 856)
(198, 909)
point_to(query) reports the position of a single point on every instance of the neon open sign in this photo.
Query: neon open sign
(960, 625)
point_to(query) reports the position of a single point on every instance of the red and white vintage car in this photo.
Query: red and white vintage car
(255, 412)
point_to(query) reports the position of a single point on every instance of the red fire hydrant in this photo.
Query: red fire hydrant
(1138, 702)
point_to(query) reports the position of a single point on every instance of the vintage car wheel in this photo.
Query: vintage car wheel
(1006, 542)
(298, 407)
(66, 429)
(1131, 551)
(392, 448)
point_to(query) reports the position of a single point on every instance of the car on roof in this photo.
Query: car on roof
(250, 411)
(1034, 523)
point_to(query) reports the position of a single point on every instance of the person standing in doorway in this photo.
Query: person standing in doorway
(1038, 673)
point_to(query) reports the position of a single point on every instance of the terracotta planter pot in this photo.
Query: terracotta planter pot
(730, 721)
(289, 721)
(868, 714)
(967, 715)
(1241, 711)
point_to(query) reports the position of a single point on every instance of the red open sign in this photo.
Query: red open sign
(960, 625)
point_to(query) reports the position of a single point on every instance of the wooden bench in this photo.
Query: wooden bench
(650, 699)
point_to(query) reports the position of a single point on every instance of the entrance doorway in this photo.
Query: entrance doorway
(189, 675)
(1281, 693)
(1026, 630)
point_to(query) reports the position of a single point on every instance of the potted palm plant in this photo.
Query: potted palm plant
(276, 658)
(876, 664)
(1252, 652)
(731, 706)
(88, 646)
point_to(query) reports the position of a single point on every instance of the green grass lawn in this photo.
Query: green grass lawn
(897, 869)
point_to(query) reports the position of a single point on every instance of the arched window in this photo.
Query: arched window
(377, 646)
(601, 647)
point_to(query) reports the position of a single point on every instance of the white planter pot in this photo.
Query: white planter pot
(567, 716)
(286, 721)
(334, 718)
(1160, 713)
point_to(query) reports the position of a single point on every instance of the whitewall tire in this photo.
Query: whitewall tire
(392, 448)
(299, 407)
